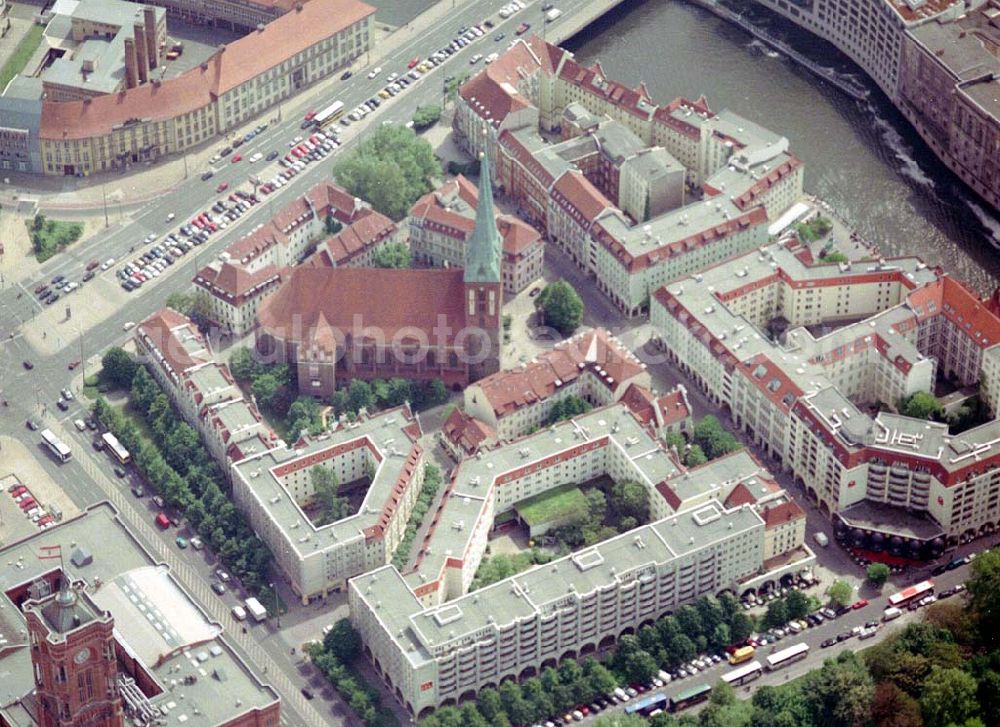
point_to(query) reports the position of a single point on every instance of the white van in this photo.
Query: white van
(663, 676)
(890, 613)
(821, 539)
(239, 613)
(621, 694)
(795, 627)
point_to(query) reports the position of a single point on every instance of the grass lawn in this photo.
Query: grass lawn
(22, 54)
(52, 236)
(563, 502)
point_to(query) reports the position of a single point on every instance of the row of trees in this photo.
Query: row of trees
(428, 490)
(387, 393)
(336, 657)
(176, 464)
(495, 568)
(710, 622)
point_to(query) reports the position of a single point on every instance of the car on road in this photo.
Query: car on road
(345, 75)
(307, 693)
(222, 576)
(860, 603)
(138, 491)
(237, 158)
(826, 643)
(271, 156)
(375, 72)
(522, 28)
(67, 394)
(475, 59)
(413, 63)
(207, 175)
(222, 187)
(218, 588)
(58, 279)
(27, 364)
(128, 326)
(90, 266)
(73, 365)
(63, 405)
(181, 541)
(32, 424)
(170, 217)
(119, 471)
(158, 501)
(499, 36)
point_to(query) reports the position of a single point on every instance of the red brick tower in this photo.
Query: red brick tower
(73, 654)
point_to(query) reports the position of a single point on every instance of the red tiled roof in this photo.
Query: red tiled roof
(517, 235)
(577, 192)
(160, 330)
(466, 431)
(674, 407)
(233, 282)
(367, 231)
(781, 514)
(740, 495)
(670, 495)
(640, 402)
(509, 390)
(231, 66)
(493, 92)
(419, 298)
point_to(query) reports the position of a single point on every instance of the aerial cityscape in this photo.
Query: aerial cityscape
(500, 363)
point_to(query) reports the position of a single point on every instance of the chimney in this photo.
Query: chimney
(141, 57)
(152, 47)
(131, 68)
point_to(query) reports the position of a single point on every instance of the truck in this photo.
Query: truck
(258, 612)
(552, 15)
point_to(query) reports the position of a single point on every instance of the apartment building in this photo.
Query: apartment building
(254, 266)
(936, 60)
(807, 400)
(236, 84)
(204, 391)
(434, 643)
(274, 489)
(612, 194)
(593, 365)
(949, 89)
(441, 222)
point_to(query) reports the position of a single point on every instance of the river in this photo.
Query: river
(861, 157)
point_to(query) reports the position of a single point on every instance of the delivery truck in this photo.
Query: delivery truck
(256, 611)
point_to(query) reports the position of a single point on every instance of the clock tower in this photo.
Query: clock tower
(73, 656)
(483, 288)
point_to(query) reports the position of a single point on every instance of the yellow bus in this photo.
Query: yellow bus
(744, 653)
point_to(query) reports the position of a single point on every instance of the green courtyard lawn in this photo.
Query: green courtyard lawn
(49, 237)
(22, 54)
(563, 504)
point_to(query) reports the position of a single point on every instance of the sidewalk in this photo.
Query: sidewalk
(86, 196)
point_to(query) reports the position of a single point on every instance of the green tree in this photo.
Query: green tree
(117, 367)
(243, 365)
(561, 306)
(878, 574)
(629, 499)
(892, 707)
(713, 439)
(721, 637)
(332, 507)
(360, 396)
(266, 388)
(740, 627)
(841, 692)
(331, 225)
(426, 116)
(566, 408)
(949, 698)
(840, 593)
(777, 614)
(695, 456)
(343, 641)
(796, 604)
(639, 666)
(391, 169)
(984, 593)
(834, 257)
(452, 85)
(392, 255)
(921, 405)
(602, 681)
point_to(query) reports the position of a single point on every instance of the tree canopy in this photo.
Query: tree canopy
(393, 255)
(391, 169)
(118, 367)
(426, 116)
(713, 440)
(562, 306)
(878, 574)
(921, 405)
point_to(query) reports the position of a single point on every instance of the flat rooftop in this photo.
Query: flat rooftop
(890, 520)
(389, 435)
(155, 620)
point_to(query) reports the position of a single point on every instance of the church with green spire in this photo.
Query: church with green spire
(483, 285)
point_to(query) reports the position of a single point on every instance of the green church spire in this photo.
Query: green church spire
(482, 251)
